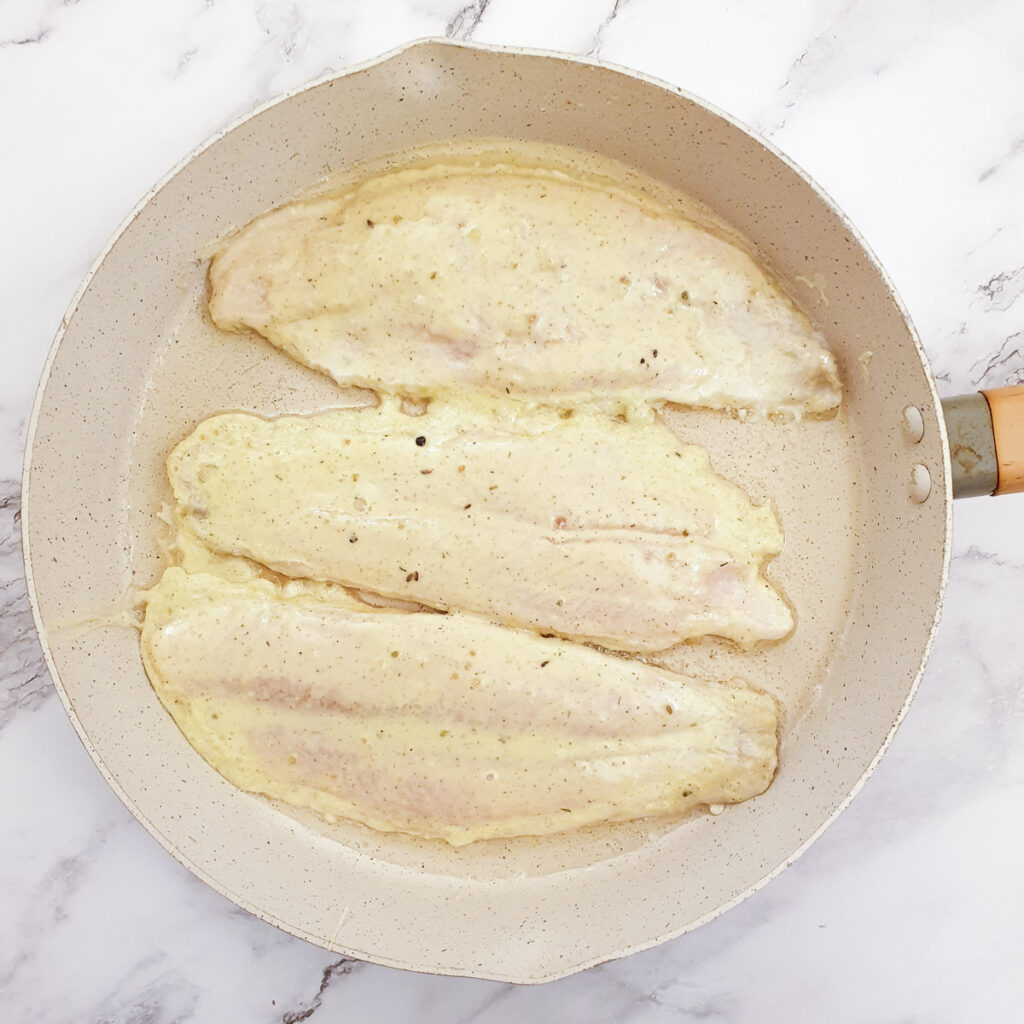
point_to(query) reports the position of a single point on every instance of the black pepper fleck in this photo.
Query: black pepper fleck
(421, 441)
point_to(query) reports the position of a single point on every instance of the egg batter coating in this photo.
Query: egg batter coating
(591, 528)
(521, 281)
(442, 726)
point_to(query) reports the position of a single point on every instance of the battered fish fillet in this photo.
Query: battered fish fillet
(441, 726)
(587, 527)
(524, 282)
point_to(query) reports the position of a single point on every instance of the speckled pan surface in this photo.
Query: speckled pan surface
(136, 365)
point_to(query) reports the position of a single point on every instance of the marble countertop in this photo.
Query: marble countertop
(909, 908)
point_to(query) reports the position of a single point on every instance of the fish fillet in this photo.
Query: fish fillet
(588, 527)
(520, 281)
(441, 726)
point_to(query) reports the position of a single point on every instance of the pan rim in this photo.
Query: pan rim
(568, 968)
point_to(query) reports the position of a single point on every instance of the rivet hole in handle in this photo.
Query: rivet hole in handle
(1007, 408)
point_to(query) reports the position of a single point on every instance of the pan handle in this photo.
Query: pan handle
(986, 441)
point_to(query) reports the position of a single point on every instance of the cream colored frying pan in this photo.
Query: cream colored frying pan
(865, 500)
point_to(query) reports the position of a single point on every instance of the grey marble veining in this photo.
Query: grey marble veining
(907, 910)
(26, 684)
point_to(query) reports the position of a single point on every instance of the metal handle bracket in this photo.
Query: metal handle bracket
(972, 445)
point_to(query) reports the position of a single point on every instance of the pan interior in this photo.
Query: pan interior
(196, 371)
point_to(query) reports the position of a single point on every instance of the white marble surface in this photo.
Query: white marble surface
(909, 909)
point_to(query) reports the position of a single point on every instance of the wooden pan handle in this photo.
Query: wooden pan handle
(1007, 408)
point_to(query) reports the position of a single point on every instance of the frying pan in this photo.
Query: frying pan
(865, 499)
